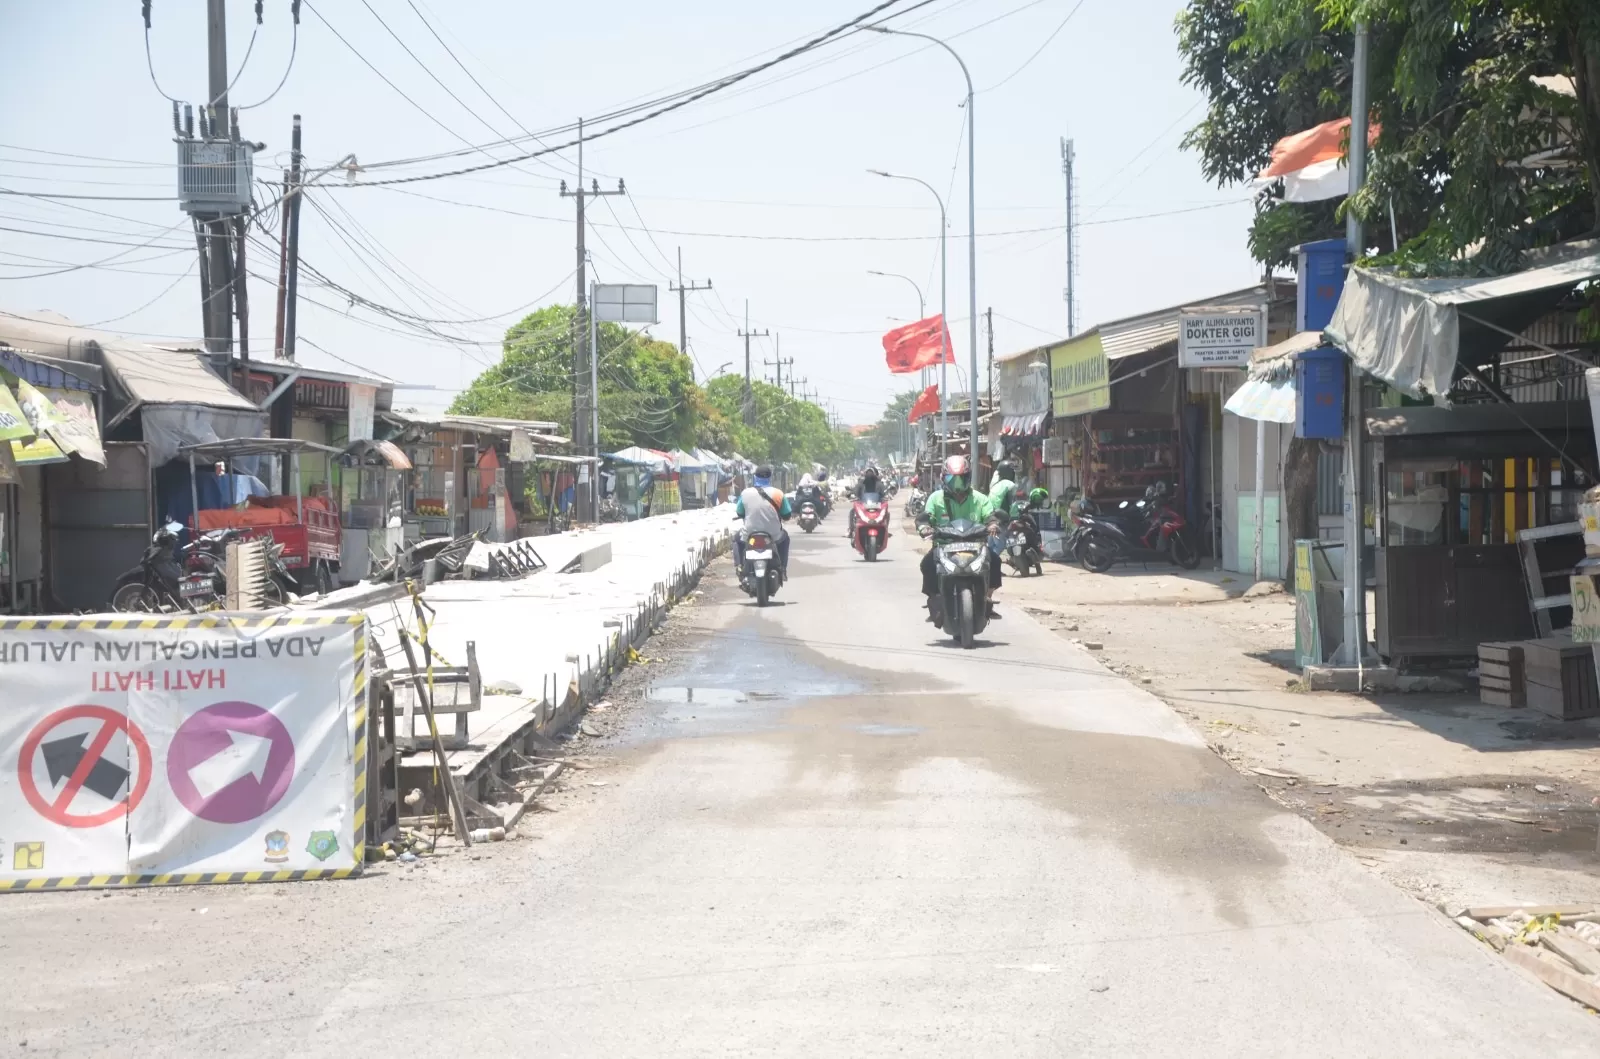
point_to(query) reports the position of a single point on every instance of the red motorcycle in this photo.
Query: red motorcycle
(871, 533)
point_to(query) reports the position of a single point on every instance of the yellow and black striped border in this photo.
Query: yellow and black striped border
(179, 621)
(358, 708)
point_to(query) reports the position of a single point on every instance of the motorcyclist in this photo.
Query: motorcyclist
(764, 510)
(1038, 499)
(868, 484)
(809, 492)
(1003, 488)
(955, 499)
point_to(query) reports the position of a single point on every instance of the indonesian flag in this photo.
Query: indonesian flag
(927, 403)
(917, 346)
(1311, 164)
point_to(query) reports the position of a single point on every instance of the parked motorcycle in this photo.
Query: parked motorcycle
(917, 503)
(1141, 529)
(963, 579)
(763, 572)
(871, 527)
(1021, 553)
(808, 519)
(169, 579)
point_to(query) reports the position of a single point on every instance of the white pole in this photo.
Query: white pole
(1261, 489)
(594, 408)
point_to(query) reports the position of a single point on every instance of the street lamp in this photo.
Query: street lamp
(972, 219)
(922, 303)
(944, 319)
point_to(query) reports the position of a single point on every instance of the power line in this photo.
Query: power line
(1038, 52)
(677, 104)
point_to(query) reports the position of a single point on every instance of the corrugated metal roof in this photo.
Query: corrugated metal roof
(1140, 334)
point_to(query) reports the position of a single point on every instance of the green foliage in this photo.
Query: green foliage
(889, 433)
(1451, 87)
(647, 396)
(647, 393)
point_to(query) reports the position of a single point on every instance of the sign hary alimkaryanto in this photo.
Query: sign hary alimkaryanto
(1219, 338)
(185, 749)
(1080, 376)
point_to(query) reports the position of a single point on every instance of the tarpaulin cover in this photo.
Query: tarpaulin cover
(1408, 332)
(1023, 426)
(182, 746)
(169, 427)
(1269, 401)
(1023, 384)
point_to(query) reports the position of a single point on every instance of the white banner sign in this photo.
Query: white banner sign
(363, 403)
(1219, 339)
(198, 749)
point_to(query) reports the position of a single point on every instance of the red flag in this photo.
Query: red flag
(926, 404)
(916, 346)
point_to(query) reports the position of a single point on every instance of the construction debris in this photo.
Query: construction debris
(1558, 944)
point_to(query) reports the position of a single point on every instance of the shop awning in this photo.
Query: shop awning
(1023, 426)
(379, 453)
(1411, 332)
(50, 371)
(1272, 402)
(1275, 363)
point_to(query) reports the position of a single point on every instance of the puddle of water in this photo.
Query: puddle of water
(888, 729)
(696, 696)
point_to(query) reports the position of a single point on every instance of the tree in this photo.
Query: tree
(647, 393)
(1476, 162)
(786, 430)
(889, 433)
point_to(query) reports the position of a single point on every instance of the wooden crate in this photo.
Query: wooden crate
(1500, 674)
(1560, 678)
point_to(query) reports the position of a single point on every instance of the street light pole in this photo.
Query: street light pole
(922, 303)
(972, 224)
(944, 318)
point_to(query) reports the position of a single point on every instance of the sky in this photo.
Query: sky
(764, 186)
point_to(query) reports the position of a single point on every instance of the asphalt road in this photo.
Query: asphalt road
(830, 833)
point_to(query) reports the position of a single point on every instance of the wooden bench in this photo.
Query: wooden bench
(455, 689)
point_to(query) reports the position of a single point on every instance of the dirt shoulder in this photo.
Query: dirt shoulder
(1447, 797)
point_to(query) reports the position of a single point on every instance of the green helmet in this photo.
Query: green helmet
(1038, 496)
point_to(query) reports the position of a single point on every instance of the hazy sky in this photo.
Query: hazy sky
(764, 186)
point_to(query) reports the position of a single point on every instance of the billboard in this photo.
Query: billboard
(185, 749)
(1080, 377)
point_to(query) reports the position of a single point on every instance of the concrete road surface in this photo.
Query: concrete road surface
(829, 833)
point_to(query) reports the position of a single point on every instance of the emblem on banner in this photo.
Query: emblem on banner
(27, 856)
(277, 847)
(323, 844)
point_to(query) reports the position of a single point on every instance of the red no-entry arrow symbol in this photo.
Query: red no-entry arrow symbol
(88, 766)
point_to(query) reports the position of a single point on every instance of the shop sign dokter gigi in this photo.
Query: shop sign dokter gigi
(1219, 338)
(185, 748)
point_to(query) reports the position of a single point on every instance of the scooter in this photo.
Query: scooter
(1021, 553)
(763, 572)
(871, 527)
(1144, 529)
(807, 519)
(167, 579)
(963, 566)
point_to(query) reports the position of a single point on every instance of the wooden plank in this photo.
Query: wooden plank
(1509, 699)
(1573, 949)
(1562, 981)
(1501, 911)
(1496, 683)
(1487, 933)
(1544, 533)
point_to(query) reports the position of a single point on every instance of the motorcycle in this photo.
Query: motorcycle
(871, 527)
(169, 579)
(807, 519)
(763, 572)
(917, 503)
(1145, 529)
(963, 566)
(1021, 553)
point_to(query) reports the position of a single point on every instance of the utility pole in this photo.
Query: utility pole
(988, 319)
(778, 365)
(1068, 156)
(683, 309)
(293, 193)
(582, 366)
(218, 263)
(747, 403)
(1353, 652)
